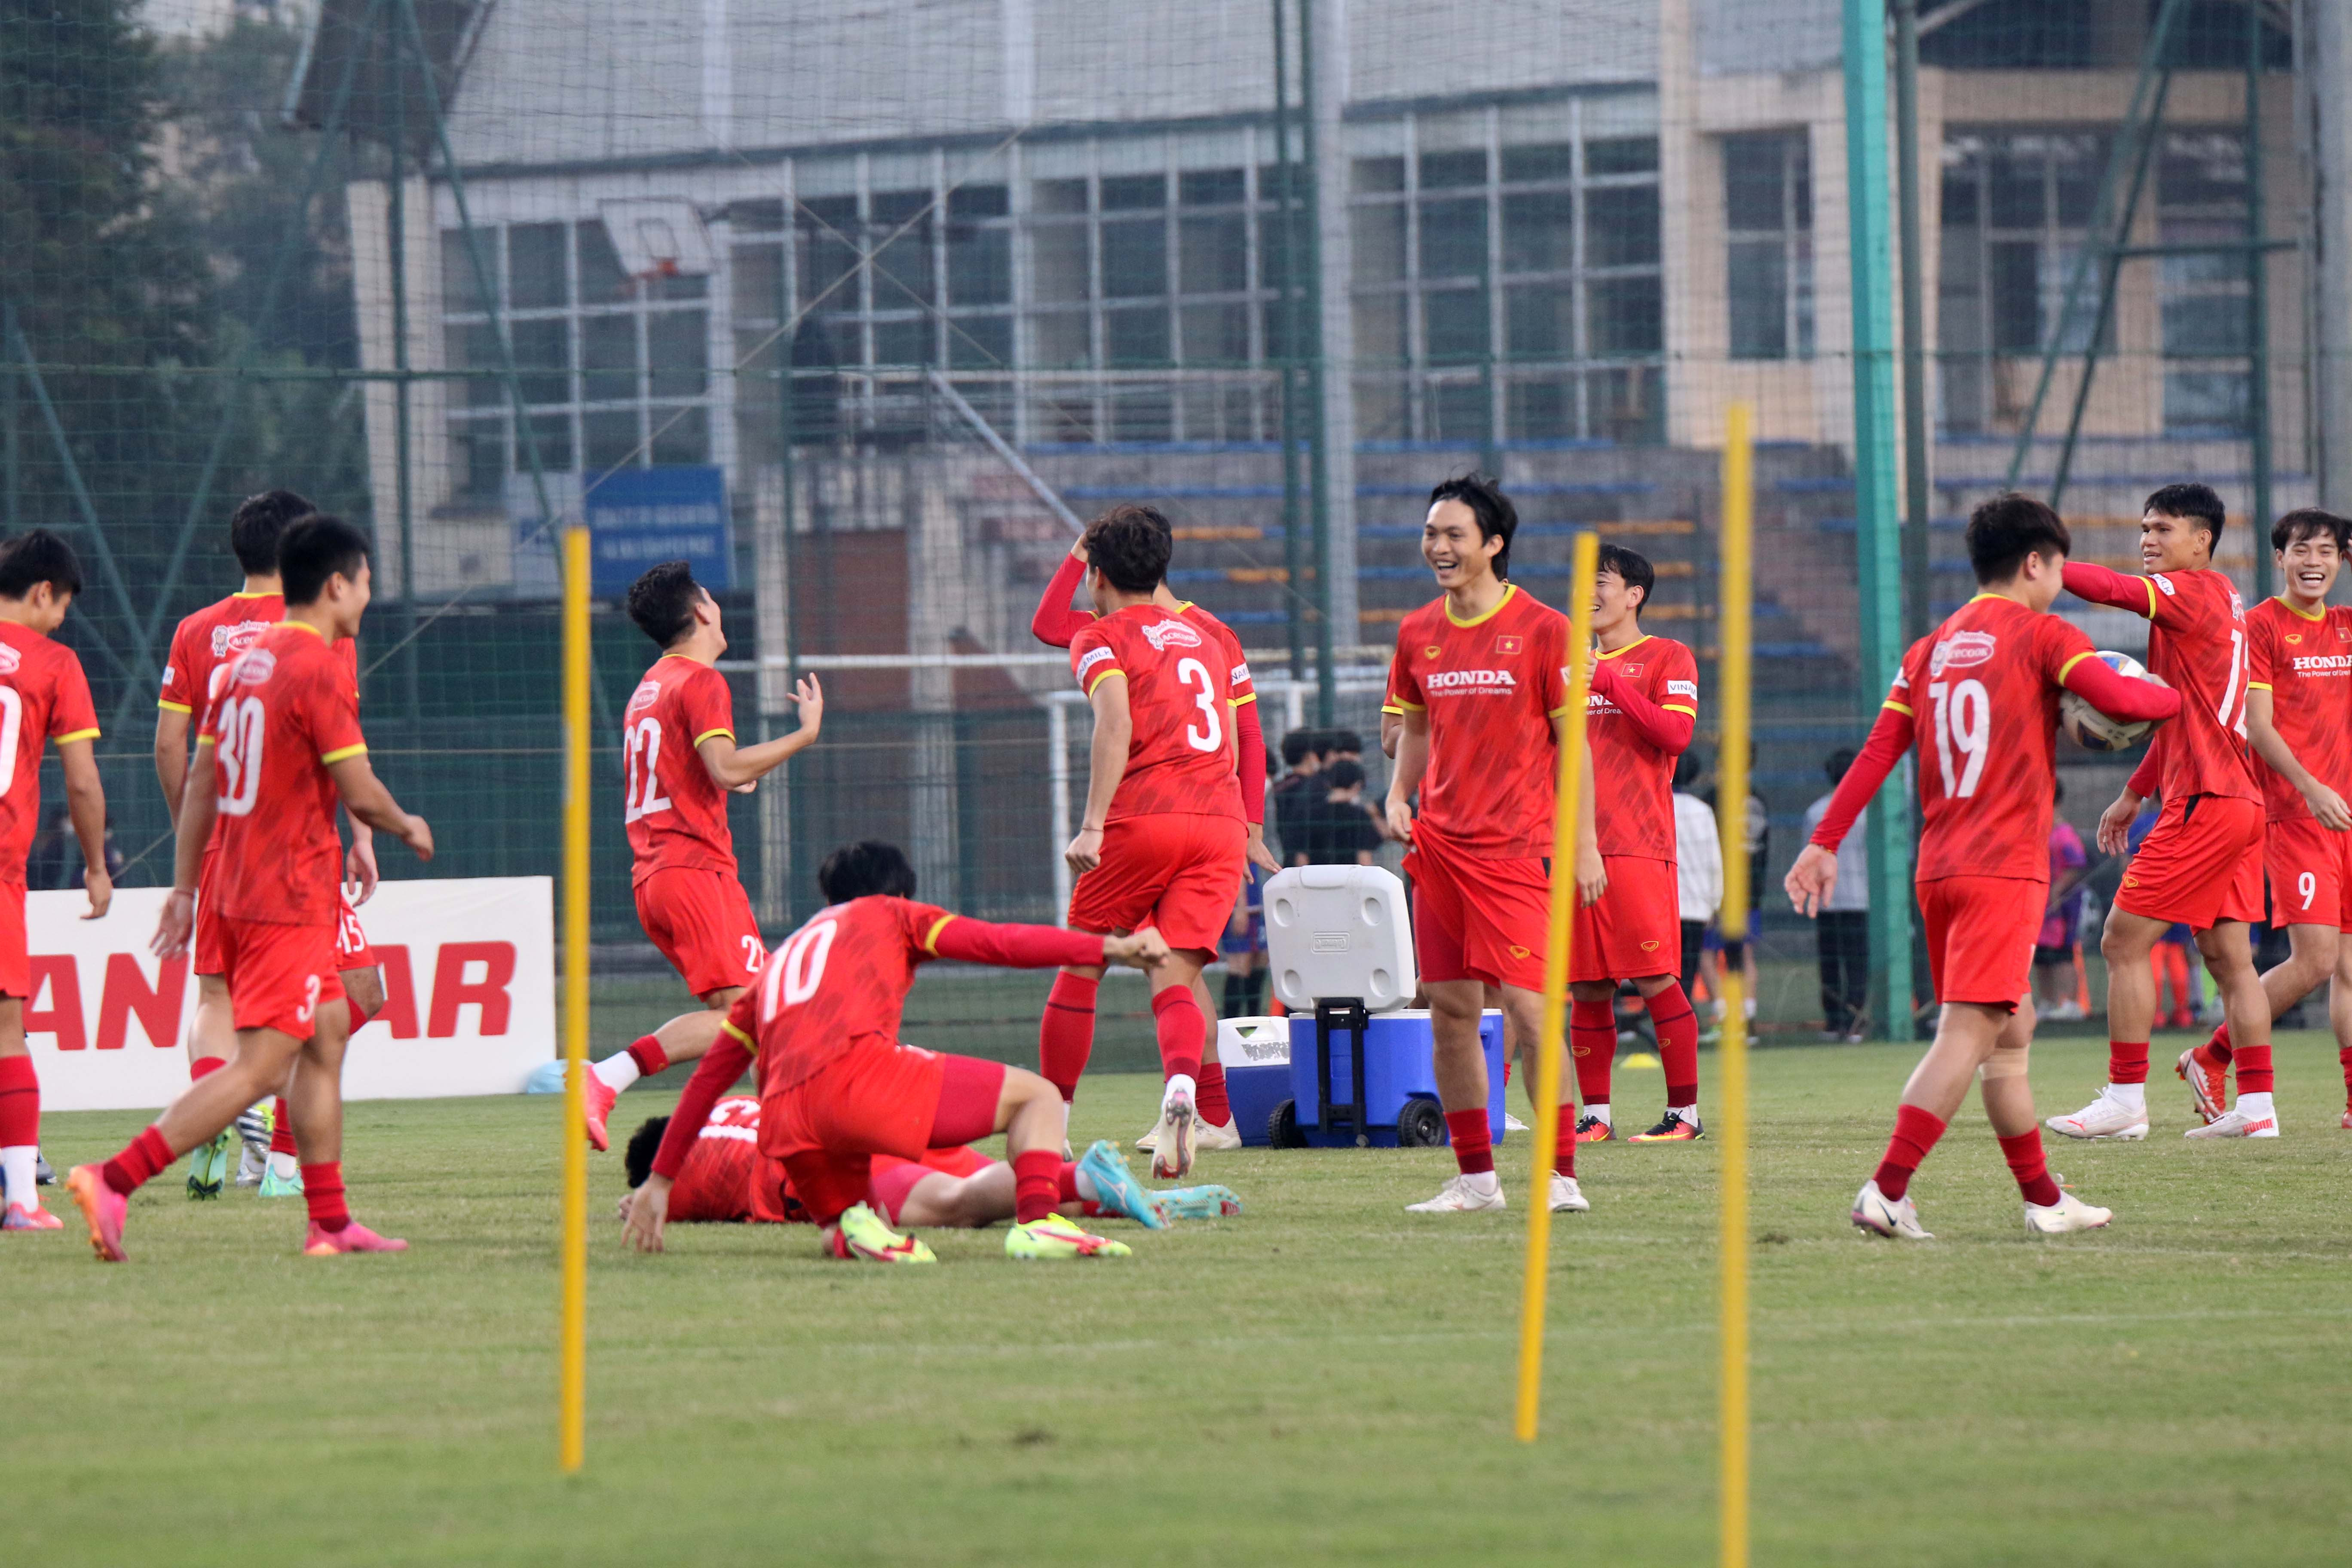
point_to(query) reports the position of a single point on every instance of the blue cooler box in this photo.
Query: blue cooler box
(1256, 1056)
(1397, 1071)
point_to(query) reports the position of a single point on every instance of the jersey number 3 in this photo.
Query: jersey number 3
(1963, 724)
(1209, 734)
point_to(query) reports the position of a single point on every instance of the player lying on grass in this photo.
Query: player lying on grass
(2299, 718)
(1065, 1031)
(836, 1087)
(1980, 695)
(726, 1179)
(2202, 865)
(202, 648)
(44, 700)
(1640, 715)
(678, 738)
(1479, 679)
(280, 744)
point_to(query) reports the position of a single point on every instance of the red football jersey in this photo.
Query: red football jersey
(726, 1178)
(676, 811)
(44, 696)
(840, 979)
(1633, 781)
(207, 639)
(284, 713)
(2197, 644)
(2305, 662)
(1987, 680)
(1181, 677)
(1492, 686)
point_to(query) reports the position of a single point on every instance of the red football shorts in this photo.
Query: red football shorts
(702, 923)
(2200, 865)
(2310, 870)
(279, 976)
(877, 1098)
(15, 954)
(1177, 871)
(352, 948)
(1478, 920)
(1636, 928)
(1980, 932)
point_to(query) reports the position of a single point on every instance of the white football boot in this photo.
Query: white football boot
(1458, 1197)
(1893, 1218)
(2235, 1123)
(2068, 1213)
(2104, 1118)
(1567, 1197)
(1172, 1149)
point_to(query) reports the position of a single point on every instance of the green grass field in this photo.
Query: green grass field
(1325, 1375)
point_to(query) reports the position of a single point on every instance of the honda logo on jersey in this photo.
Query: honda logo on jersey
(1171, 633)
(1470, 680)
(1962, 650)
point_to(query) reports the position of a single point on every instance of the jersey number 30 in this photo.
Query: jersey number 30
(242, 723)
(1963, 724)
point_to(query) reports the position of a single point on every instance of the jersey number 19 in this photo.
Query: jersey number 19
(1963, 720)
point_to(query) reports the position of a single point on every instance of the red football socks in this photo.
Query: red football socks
(2218, 1048)
(648, 1054)
(2254, 1069)
(2344, 1059)
(890, 1187)
(323, 1189)
(1677, 1027)
(1072, 1203)
(20, 1105)
(1563, 1143)
(1473, 1141)
(1065, 1035)
(281, 1127)
(2023, 1154)
(1036, 1183)
(1593, 1041)
(1183, 1032)
(137, 1163)
(203, 1066)
(2126, 1061)
(1915, 1131)
(1215, 1108)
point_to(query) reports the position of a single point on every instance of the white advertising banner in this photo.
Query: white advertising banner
(470, 996)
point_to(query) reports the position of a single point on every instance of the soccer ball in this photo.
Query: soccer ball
(2094, 730)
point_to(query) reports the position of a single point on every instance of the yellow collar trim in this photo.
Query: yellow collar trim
(241, 593)
(306, 626)
(1630, 647)
(2291, 609)
(1511, 590)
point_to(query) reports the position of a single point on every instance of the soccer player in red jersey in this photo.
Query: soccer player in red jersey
(1479, 675)
(2202, 865)
(1065, 1034)
(44, 700)
(1642, 709)
(678, 738)
(836, 1087)
(279, 745)
(1985, 681)
(726, 1180)
(2299, 718)
(201, 648)
(1162, 842)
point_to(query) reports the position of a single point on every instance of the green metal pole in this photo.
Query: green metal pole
(1919, 603)
(1878, 534)
(9, 501)
(2258, 310)
(1293, 556)
(1327, 695)
(404, 487)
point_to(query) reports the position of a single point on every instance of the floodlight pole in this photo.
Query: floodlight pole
(404, 489)
(1920, 611)
(1292, 557)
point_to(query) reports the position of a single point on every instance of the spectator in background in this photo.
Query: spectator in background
(1343, 745)
(1243, 943)
(1699, 867)
(1843, 936)
(2059, 984)
(1344, 831)
(1292, 799)
(1758, 830)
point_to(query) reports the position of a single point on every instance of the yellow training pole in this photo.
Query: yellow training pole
(572, 1441)
(1555, 1015)
(1732, 811)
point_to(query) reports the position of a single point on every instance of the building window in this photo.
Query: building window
(1511, 288)
(2205, 298)
(612, 370)
(1767, 207)
(2015, 209)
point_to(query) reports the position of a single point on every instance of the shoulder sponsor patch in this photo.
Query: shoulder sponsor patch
(1240, 675)
(1682, 689)
(1098, 656)
(2163, 582)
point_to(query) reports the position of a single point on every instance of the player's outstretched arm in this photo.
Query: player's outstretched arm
(1808, 881)
(735, 767)
(721, 1065)
(86, 800)
(1411, 763)
(1055, 624)
(1003, 946)
(2132, 700)
(1105, 767)
(2262, 729)
(194, 817)
(368, 801)
(2086, 580)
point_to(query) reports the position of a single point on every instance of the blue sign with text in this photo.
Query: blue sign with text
(637, 517)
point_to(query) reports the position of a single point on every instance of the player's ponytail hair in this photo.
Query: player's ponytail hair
(866, 870)
(1483, 494)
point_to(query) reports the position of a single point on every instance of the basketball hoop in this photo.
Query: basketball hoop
(658, 238)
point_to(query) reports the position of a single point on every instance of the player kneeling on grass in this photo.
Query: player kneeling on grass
(279, 742)
(1980, 694)
(837, 1088)
(726, 1179)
